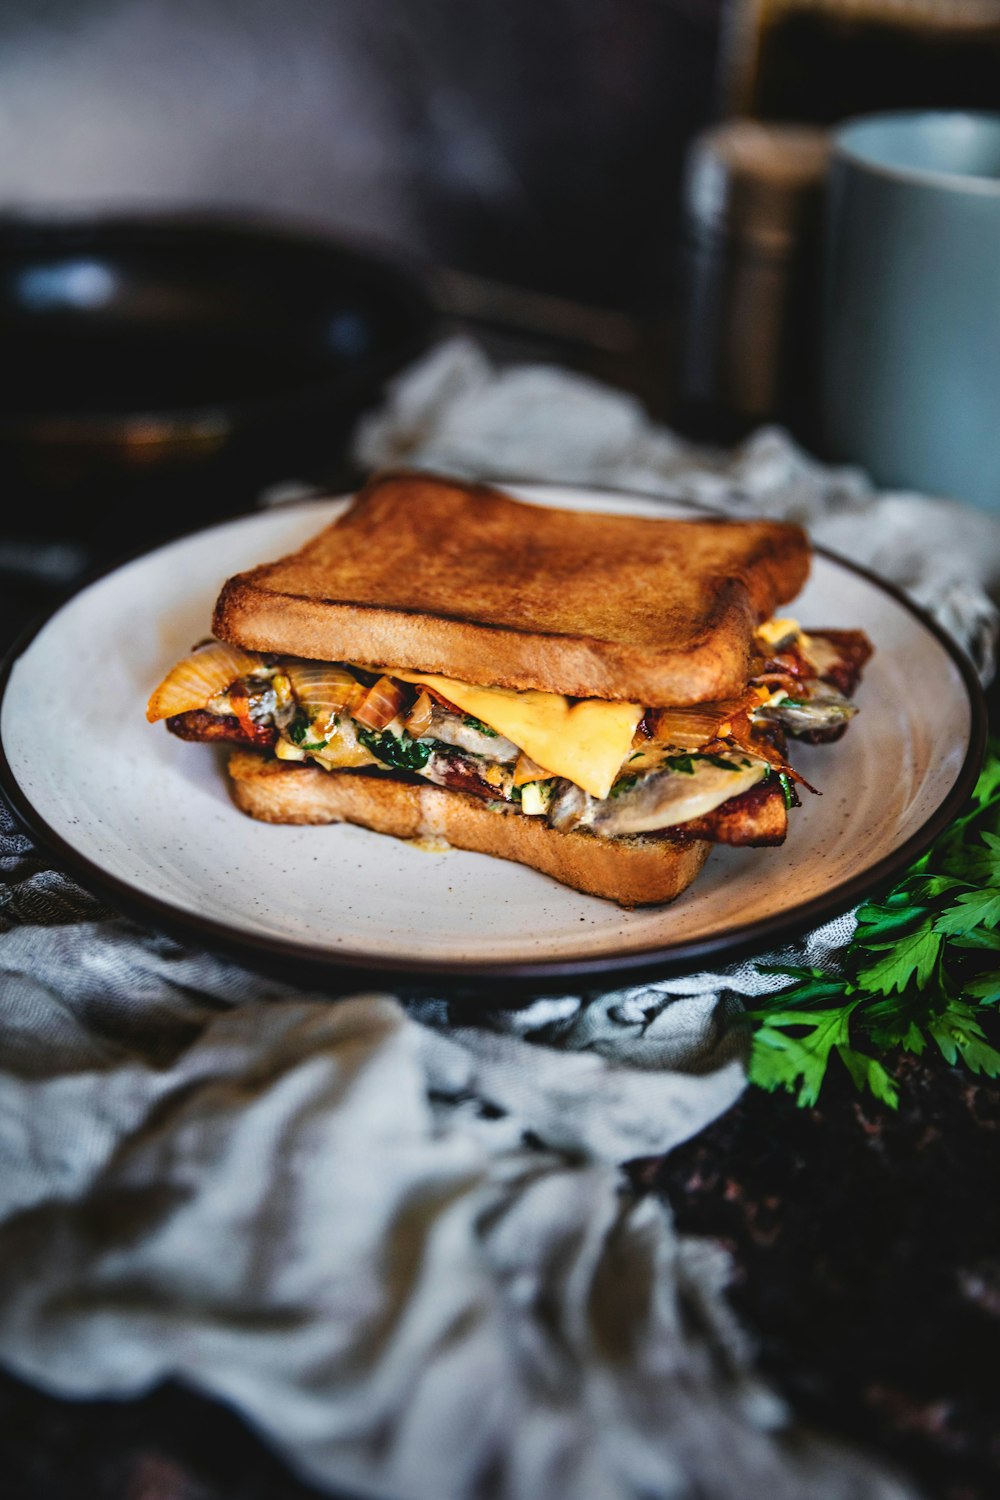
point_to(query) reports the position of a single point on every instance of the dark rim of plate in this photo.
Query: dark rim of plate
(305, 964)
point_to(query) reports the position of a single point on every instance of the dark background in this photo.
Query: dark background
(535, 143)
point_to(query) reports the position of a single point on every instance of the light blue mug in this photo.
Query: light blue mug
(911, 321)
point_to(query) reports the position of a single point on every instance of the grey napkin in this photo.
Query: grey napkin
(403, 1248)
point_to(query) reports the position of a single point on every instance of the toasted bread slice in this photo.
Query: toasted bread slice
(437, 575)
(639, 871)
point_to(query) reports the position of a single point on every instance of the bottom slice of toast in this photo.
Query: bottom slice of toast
(639, 871)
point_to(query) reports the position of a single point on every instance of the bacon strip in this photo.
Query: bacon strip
(855, 649)
(755, 819)
(197, 724)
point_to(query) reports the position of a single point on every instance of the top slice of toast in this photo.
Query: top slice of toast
(438, 575)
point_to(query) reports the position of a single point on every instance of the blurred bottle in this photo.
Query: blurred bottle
(825, 60)
(748, 304)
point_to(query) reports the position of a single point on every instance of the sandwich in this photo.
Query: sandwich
(600, 697)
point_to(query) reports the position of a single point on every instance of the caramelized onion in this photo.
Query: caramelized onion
(716, 727)
(743, 734)
(323, 690)
(380, 704)
(419, 719)
(528, 770)
(690, 728)
(197, 679)
(441, 700)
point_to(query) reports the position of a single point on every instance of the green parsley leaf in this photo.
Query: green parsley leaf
(472, 723)
(868, 1073)
(959, 1035)
(985, 988)
(797, 1063)
(971, 910)
(921, 967)
(876, 921)
(813, 985)
(987, 789)
(981, 862)
(927, 886)
(913, 1040)
(910, 957)
(980, 940)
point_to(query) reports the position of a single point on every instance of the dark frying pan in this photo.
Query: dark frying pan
(157, 371)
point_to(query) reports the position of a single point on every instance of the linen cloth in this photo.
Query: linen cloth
(400, 1245)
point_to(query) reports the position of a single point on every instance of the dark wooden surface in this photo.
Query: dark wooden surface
(866, 1246)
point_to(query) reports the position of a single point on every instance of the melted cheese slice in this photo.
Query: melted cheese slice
(776, 630)
(820, 654)
(584, 740)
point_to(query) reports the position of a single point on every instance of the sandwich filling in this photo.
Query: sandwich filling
(715, 770)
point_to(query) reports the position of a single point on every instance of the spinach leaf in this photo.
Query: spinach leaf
(478, 724)
(403, 754)
(298, 733)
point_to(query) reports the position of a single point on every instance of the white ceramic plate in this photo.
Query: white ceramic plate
(146, 819)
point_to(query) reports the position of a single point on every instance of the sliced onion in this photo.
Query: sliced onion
(741, 734)
(419, 719)
(728, 721)
(441, 700)
(689, 728)
(528, 770)
(380, 704)
(323, 690)
(197, 679)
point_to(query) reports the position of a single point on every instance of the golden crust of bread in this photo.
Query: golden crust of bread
(437, 575)
(639, 871)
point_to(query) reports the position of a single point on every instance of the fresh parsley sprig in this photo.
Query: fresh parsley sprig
(923, 967)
